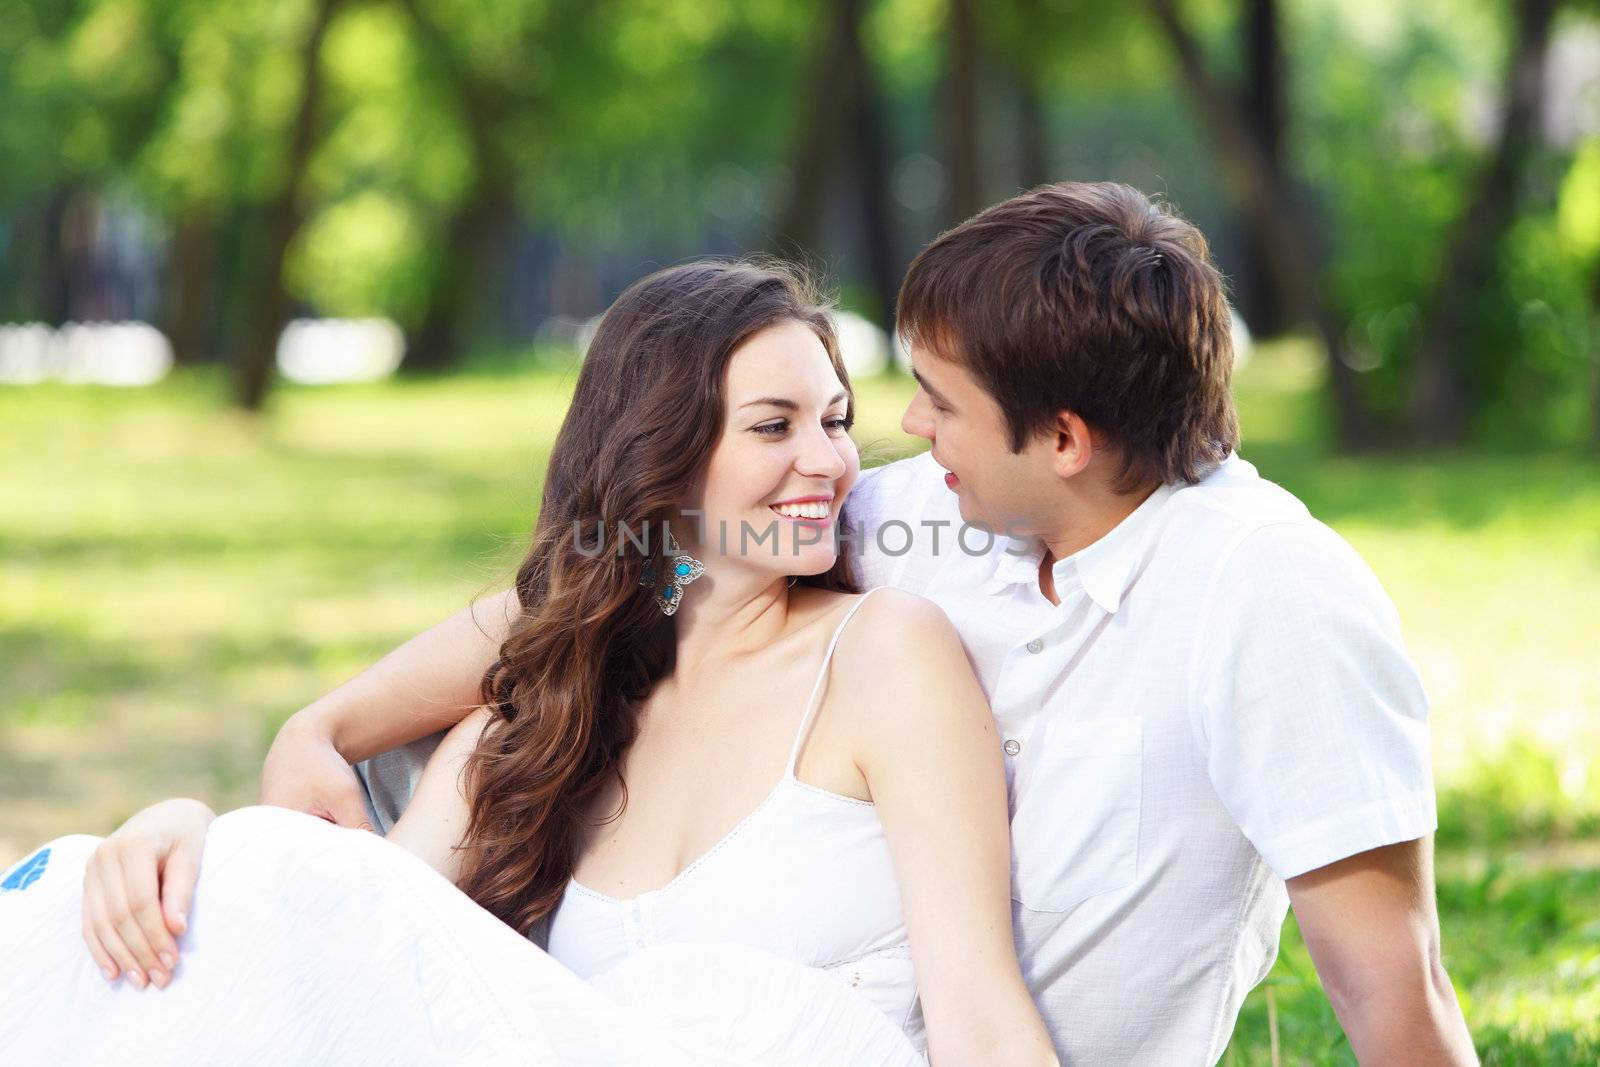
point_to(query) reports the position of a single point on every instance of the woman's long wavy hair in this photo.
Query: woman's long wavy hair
(590, 643)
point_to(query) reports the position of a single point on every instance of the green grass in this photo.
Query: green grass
(176, 578)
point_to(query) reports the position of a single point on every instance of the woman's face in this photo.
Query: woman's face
(780, 472)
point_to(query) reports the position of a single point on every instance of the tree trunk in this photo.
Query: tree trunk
(842, 97)
(1266, 111)
(961, 113)
(52, 297)
(286, 212)
(872, 169)
(1594, 335)
(478, 234)
(816, 145)
(35, 265)
(475, 245)
(191, 286)
(1033, 139)
(1279, 221)
(1439, 406)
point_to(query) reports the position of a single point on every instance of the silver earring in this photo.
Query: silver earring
(682, 569)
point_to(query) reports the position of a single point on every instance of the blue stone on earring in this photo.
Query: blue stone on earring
(685, 569)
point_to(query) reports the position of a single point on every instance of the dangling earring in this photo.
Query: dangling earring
(682, 569)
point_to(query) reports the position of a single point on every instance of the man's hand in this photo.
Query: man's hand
(1371, 925)
(304, 771)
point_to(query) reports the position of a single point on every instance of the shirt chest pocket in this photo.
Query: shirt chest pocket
(1076, 828)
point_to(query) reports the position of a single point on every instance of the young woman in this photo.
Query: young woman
(756, 816)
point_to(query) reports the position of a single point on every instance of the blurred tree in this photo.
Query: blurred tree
(478, 227)
(841, 127)
(965, 164)
(268, 313)
(1033, 135)
(822, 98)
(470, 166)
(80, 88)
(1264, 99)
(1283, 228)
(191, 284)
(1440, 408)
(1577, 228)
(871, 139)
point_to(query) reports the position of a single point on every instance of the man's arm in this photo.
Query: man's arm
(1315, 724)
(1373, 931)
(426, 685)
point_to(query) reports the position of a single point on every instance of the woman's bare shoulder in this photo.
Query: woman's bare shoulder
(907, 690)
(895, 630)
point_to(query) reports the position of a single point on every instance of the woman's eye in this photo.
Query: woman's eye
(776, 429)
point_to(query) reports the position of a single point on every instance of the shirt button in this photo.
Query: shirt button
(1036, 646)
(1012, 747)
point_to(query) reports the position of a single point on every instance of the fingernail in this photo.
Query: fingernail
(111, 976)
(167, 961)
(183, 922)
(159, 978)
(137, 979)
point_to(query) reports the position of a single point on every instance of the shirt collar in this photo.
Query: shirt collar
(1105, 568)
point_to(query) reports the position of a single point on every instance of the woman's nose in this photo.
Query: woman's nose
(819, 456)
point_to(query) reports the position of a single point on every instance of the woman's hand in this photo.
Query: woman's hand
(137, 888)
(305, 772)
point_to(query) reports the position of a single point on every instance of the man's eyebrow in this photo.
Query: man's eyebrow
(930, 390)
(789, 405)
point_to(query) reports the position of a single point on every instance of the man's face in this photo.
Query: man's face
(1007, 491)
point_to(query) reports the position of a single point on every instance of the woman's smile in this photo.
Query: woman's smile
(805, 510)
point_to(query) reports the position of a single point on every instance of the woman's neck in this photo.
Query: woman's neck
(723, 618)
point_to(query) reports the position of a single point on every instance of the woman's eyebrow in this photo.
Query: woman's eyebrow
(790, 405)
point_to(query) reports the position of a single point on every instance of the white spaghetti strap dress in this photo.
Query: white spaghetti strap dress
(783, 946)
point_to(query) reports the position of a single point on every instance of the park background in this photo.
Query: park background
(196, 538)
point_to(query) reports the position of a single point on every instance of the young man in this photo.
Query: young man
(1205, 707)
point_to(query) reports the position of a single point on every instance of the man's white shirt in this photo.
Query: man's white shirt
(1220, 701)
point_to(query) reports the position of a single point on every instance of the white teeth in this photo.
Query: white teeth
(810, 510)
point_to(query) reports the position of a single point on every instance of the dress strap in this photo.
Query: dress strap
(822, 674)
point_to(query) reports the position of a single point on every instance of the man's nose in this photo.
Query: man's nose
(918, 419)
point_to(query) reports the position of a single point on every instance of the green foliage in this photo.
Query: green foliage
(1522, 944)
(658, 128)
(1393, 138)
(1526, 790)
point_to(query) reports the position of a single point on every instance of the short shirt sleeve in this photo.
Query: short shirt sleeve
(1312, 714)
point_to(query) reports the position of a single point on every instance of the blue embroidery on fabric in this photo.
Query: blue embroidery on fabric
(27, 872)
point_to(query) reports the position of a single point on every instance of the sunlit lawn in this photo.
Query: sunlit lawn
(175, 579)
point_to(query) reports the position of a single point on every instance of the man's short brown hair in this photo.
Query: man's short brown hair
(1086, 297)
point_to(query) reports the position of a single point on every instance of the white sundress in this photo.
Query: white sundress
(783, 946)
